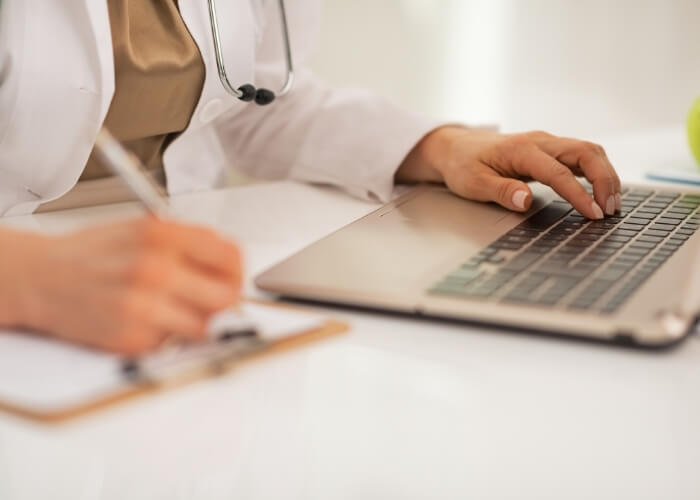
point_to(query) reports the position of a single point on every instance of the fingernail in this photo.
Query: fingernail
(618, 202)
(597, 212)
(610, 205)
(519, 198)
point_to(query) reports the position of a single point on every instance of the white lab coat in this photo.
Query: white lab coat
(57, 81)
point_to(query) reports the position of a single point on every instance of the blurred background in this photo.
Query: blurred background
(576, 68)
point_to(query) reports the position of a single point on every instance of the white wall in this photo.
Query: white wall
(572, 67)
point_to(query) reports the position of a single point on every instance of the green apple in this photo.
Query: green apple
(694, 129)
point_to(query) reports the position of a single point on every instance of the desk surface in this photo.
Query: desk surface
(394, 409)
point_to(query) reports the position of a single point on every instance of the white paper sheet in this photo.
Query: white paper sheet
(46, 374)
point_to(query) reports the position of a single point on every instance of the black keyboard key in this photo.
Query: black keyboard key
(610, 244)
(643, 215)
(522, 232)
(602, 224)
(577, 272)
(683, 204)
(631, 202)
(546, 217)
(612, 274)
(515, 239)
(522, 261)
(587, 237)
(656, 232)
(666, 220)
(667, 195)
(650, 210)
(490, 285)
(597, 251)
(683, 211)
(505, 245)
(574, 250)
(637, 220)
(659, 258)
(631, 227)
(578, 243)
(575, 218)
(624, 232)
(474, 262)
(554, 237)
(663, 227)
(650, 239)
(539, 248)
(642, 245)
(617, 237)
(632, 255)
(636, 251)
(615, 219)
(549, 243)
(464, 275)
(572, 225)
(672, 215)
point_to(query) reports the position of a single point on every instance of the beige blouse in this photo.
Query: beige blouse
(159, 74)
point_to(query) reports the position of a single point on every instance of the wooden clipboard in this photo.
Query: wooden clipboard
(138, 388)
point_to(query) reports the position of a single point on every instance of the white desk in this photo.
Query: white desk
(394, 409)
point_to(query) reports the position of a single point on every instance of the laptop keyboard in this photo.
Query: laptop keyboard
(558, 258)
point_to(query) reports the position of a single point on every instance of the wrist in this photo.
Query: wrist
(426, 161)
(420, 164)
(17, 255)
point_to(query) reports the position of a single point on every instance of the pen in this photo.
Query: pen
(125, 165)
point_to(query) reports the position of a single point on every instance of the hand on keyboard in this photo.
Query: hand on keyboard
(487, 166)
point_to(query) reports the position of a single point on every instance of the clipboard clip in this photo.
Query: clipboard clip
(180, 360)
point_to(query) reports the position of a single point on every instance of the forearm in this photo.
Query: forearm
(345, 137)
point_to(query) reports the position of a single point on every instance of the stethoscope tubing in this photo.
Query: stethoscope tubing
(221, 65)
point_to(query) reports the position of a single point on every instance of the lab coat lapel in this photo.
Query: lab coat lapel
(99, 20)
(63, 87)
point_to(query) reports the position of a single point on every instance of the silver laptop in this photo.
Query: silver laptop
(633, 278)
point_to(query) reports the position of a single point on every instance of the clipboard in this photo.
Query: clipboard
(160, 371)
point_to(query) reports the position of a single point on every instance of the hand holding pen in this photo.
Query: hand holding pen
(127, 286)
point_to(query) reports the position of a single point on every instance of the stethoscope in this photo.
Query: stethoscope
(248, 92)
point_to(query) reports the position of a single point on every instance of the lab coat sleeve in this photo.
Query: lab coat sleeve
(345, 137)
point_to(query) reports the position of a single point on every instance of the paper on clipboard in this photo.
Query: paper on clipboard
(273, 323)
(46, 374)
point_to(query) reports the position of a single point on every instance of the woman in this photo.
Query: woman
(145, 69)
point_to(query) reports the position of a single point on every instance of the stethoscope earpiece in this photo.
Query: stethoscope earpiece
(247, 92)
(264, 97)
(261, 97)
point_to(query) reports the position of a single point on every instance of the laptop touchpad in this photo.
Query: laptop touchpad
(439, 211)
